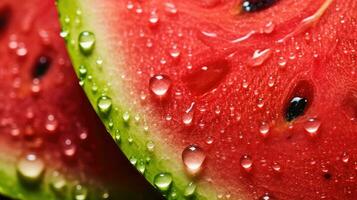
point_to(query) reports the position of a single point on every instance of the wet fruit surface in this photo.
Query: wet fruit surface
(268, 96)
(47, 125)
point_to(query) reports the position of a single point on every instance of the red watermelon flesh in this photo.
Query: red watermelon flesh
(208, 74)
(44, 112)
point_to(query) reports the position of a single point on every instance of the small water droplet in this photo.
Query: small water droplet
(193, 157)
(160, 85)
(175, 52)
(58, 183)
(187, 116)
(150, 146)
(64, 34)
(345, 157)
(80, 192)
(82, 72)
(126, 117)
(276, 167)
(51, 123)
(30, 169)
(260, 103)
(209, 140)
(69, 148)
(268, 28)
(104, 104)
(190, 190)
(264, 129)
(163, 181)
(312, 126)
(259, 57)
(170, 8)
(141, 166)
(246, 162)
(266, 196)
(282, 62)
(86, 42)
(154, 18)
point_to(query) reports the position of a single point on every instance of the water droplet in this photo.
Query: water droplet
(264, 129)
(126, 117)
(246, 162)
(86, 42)
(282, 62)
(80, 192)
(312, 126)
(105, 195)
(64, 34)
(130, 5)
(345, 157)
(51, 123)
(58, 183)
(276, 167)
(163, 181)
(104, 104)
(170, 8)
(209, 140)
(193, 157)
(69, 148)
(175, 52)
(141, 166)
(82, 72)
(30, 169)
(266, 196)
(154, 18)
(150, 146)
(268, 28)
(259, 57)
(21, 50)
(160, 85)
(260, 103)
(187, 116)
(190, 190)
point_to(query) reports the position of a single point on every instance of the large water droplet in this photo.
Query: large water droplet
(160, 85)
(312, 126)
(30, 169)
(193, 157)
(104, 104)
(246, 162)
(86, 42)
(163, 181)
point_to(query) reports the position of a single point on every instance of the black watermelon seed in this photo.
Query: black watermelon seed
(41, 66)
(257, 5)
(295, 108)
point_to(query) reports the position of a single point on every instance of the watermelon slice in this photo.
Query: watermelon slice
(227, 99)
(52, 144)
